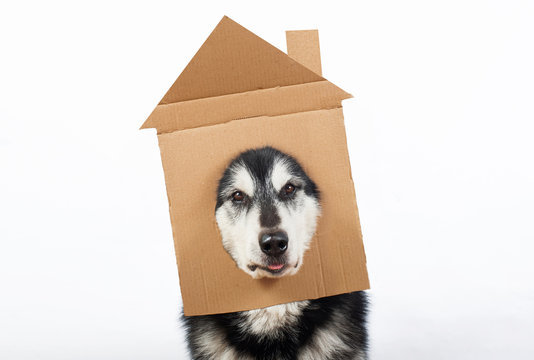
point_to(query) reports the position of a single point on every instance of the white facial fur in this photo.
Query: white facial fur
(240, 227)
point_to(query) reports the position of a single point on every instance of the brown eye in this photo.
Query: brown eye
(238, 196)
(289, 189)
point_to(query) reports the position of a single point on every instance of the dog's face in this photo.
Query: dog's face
(267, 209)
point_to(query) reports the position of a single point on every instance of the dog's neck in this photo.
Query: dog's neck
(267, 321)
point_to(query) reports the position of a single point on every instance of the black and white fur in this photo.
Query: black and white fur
(267, 209)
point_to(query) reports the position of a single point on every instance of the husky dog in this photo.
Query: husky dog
(267, 209)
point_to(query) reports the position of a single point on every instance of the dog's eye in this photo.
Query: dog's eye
(289, 189)
(238, 196)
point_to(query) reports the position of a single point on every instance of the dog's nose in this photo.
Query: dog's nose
(274, 244)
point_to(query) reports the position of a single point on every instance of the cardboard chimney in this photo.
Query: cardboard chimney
(237, 93)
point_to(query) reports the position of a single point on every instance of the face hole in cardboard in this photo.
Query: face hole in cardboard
(267, 231)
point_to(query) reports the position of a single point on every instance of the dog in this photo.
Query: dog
(267, 209)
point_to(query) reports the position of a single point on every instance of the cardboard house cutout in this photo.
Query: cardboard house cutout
(237, 93)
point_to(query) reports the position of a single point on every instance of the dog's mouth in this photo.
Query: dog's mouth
(274, 269)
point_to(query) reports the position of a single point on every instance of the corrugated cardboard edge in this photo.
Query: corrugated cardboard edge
(268, 102)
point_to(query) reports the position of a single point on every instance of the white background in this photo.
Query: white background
(440, 136)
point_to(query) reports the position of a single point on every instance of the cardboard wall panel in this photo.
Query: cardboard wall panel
(194, 160)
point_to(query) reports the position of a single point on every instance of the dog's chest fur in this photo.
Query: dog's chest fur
(271, 321)
(322, 329)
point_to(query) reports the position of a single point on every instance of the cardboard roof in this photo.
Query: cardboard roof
(233, 60)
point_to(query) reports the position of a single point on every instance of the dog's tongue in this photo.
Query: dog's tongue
(275, 267)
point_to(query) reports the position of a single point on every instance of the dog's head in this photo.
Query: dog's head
(267, 209)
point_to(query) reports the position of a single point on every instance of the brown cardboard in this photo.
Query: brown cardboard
(303, 46)
(237, 93)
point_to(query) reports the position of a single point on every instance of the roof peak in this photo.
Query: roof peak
(234, 60)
